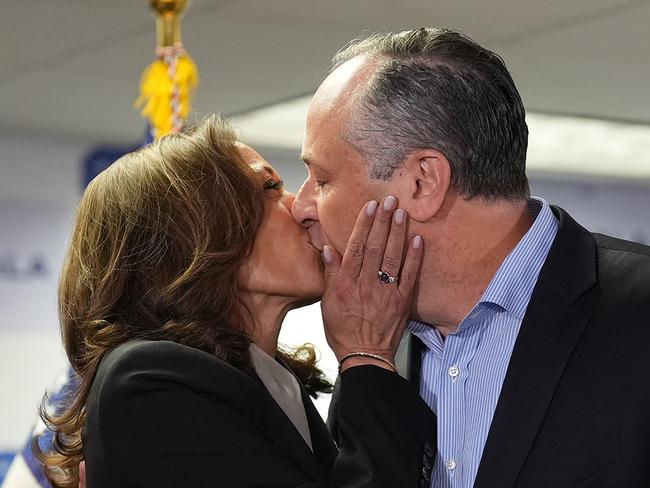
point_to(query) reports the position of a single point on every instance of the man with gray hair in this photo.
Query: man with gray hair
(528, 335)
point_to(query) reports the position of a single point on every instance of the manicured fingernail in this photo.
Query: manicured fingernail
(417, 242)
(399, 216)
(370, 209)
(327, 254)
(389, 202)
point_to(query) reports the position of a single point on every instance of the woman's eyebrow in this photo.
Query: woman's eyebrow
(259, 167)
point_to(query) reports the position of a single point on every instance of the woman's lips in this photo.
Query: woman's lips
(314, 247)
(315, 236)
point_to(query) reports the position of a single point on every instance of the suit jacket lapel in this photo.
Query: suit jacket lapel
(549, 332)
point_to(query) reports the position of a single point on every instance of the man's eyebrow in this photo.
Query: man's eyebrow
(304, 159)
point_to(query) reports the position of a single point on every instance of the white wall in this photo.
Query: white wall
(39, 187)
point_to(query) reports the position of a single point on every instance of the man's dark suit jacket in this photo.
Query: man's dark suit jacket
(574, 409)
(165, 415)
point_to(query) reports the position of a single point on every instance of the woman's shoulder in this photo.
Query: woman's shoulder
(144, 365)
(161, 355)
(139, 351)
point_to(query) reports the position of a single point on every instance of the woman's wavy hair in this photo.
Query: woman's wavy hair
(157, 245)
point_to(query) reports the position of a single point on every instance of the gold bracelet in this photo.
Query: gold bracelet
(367, 355)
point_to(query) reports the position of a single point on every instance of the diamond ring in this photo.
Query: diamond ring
(385, 278)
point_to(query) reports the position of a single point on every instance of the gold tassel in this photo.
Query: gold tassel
(168, 84)
(157, 91)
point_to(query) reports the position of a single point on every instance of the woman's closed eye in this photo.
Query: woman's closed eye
(273, 185)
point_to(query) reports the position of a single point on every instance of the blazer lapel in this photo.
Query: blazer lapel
(549, 333)
(324, 447)
(285, 436)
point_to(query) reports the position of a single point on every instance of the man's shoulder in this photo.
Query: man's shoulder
(623, 260)
(622, 291)
(614, 272)
(621, 246)
(612, 253)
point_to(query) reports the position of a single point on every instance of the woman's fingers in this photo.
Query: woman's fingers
(356, 249)
(392, 260)
(411, 267)
(360, 313)
(332, 260)
(376, 242)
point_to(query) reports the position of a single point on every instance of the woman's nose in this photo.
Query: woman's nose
(288, 199)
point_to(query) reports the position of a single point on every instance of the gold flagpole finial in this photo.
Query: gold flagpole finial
(168, 21)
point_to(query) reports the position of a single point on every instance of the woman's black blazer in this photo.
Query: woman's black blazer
(165, 415)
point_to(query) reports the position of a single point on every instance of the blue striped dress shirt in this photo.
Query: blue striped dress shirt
(462, 375)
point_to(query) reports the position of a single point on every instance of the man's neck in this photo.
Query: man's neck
(463, 251)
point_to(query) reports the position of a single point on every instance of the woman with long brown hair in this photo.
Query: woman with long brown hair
(183, 262)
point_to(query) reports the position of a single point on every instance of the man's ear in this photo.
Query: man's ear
(425, 182)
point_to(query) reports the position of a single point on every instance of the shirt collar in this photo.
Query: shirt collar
(512, 285)
(427, 334)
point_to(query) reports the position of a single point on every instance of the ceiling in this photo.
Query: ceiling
(71, 67)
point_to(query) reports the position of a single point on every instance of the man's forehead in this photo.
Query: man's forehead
(341, 83)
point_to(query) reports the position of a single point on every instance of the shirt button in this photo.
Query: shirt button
(454, 372)
(451, 464)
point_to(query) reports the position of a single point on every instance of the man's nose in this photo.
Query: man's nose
(304, 205)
